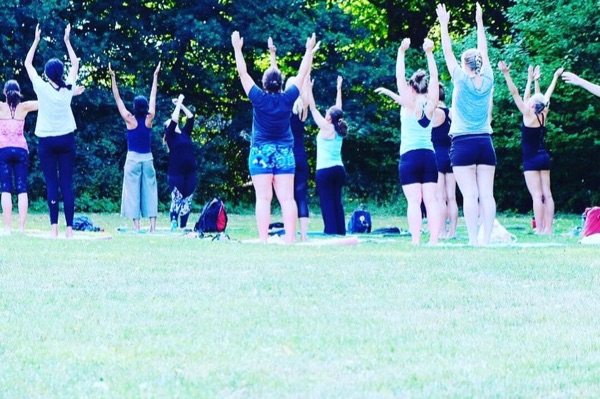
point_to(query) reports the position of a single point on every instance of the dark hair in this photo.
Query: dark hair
(340, 125)
(140, 106)
(272, 80)
(12, 91)
(442, 96)
(419, 81)
(54, 70)
(539, 103)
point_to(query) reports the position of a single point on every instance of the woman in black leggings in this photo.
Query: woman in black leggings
(55, 126)
(182, 164)
(330, 174)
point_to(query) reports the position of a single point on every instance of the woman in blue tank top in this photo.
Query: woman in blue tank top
(472, 152)
(417, 168)
(330, 174)
(140, 192)
(536, 160)
(271, 160)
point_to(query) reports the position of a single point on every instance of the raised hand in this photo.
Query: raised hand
(503, 67)
(530, 72)
(478, 14)
(536, 72)
(236, 40)
(339, 82)
(558, 72)
(157, 69)
(271, 46)
(570, 77)
(404, 45)
(67, 32)
(442, 14)
(180, 98)
(428, 45)
(311, 42)
(38, 33)
(112, 73)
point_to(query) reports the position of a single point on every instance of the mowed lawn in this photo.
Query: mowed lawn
(162, 316)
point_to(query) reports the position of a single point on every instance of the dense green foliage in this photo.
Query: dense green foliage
(359, 41)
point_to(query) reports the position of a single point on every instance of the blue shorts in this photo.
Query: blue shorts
(418, 166)
(541, 161)
(472, 149)
(271, 159)
(14, 162)
(442, 158)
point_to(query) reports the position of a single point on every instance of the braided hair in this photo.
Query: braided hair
(474, 60)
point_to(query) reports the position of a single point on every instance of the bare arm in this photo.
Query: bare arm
(338, 97)
(570, 77)
(403, 88)
(433, 90)
(126, 115)
(527, 93)
(152, 102)
(246, 79)
(311, 48)
(389, 93)
(512, 88)
(272, 53)
(72, 56)
(444, 18)
(31, 72)
(177, 110)
(552, 86)
(481, 39)
(536, 79)
(319, 120)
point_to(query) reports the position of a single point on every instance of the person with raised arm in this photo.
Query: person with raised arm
(446, 184)
(140, 192)
(271, 160)
(182, 170)
(297, 124)
(472, 152)
(14, 152)
(536, 160)
(55, 128)
(418, 98)
(330, 174)
(571, 78)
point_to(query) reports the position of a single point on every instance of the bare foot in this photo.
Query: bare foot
(69, 232)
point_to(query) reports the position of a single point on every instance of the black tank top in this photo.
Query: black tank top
(532, 139)
(439, 135)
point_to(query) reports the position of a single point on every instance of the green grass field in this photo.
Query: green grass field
(161, 316)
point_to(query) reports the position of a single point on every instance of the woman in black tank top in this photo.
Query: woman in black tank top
(536, 160)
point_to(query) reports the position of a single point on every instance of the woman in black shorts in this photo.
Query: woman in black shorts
(446, 183)
(536, 160)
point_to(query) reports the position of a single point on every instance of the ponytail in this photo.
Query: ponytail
(339, 124)
(12, 91)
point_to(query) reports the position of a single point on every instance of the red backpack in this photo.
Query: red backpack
(592, 221)
(213, 218)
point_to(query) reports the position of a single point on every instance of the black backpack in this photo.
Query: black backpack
(360, 221)
(213, 218)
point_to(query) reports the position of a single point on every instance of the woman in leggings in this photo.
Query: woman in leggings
(297, 124)
(182, 169)
(14, 153)
(418, 171)
(330, 174)
(472, 152)
(271, 160)
(536, 160)
(140, 192)
(446, 185)
(55, 126)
